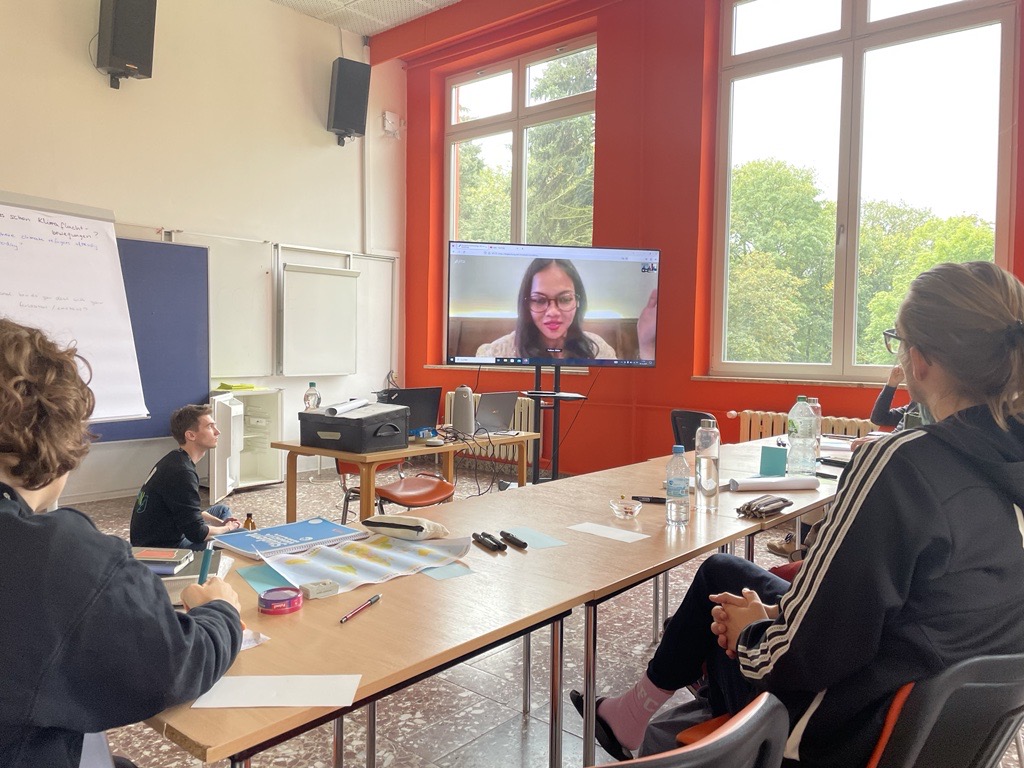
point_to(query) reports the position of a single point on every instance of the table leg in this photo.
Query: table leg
(448, 465)
(338, 755)
(749, 547)
(291, 482)
(521, 464)
(237, 762)
(664, 599)
(526, 674)
(555, 747)
(371, 734)
(367, 490)
(589, 682)
(655, 623)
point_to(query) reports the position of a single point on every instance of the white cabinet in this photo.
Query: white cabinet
(249, 421)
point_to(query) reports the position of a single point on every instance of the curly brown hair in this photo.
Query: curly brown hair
(44, 405)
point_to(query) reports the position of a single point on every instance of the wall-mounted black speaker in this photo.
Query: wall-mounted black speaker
(125, 47)
(350, 93)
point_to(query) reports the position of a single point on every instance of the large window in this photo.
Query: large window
(520, 140)
(862, 141)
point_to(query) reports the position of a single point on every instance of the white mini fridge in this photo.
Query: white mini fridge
(249, 420)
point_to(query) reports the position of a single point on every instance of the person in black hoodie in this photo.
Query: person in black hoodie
(918, 565)
(90, 640)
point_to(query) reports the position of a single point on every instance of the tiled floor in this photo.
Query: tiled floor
(467, 717)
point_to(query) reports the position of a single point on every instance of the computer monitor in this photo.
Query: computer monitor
(423, 402)
(517, 304)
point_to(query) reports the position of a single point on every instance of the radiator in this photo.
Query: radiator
(758, 424)
(522, 421)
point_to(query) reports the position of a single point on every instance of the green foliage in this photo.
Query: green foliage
(559, 201)
(781, 256)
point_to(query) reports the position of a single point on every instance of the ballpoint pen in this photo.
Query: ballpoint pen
(204, 567)
(358, 608)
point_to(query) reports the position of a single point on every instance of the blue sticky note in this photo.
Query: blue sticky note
(535, 539)
(262, 577)
(450, 571)
(773, 461)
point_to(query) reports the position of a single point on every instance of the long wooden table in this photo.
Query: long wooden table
(368, 463)
(508, 595)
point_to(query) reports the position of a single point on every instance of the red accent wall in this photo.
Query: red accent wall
(654, 187)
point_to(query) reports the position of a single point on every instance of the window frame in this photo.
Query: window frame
(518, 121)
(855, 37)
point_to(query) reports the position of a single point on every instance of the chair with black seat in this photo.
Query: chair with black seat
(424, 489)
(964, 717)
(755, 737)
(685, 424)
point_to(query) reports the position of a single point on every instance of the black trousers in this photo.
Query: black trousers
(689, 649)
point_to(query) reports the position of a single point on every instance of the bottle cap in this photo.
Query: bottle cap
(312, 384)
(678, 449)
(801, 398)
(707, 423)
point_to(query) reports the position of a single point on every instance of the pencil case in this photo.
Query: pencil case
(405, 527)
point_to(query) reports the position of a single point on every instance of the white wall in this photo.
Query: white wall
(228, 138)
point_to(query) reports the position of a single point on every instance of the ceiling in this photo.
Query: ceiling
(365, 17)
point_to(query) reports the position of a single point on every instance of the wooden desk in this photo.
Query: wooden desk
(369, 462)
(508, 595)
(421, 626)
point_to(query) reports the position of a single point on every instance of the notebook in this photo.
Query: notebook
(163, 560)
(423, 403)
(290, 537)
(495, 410)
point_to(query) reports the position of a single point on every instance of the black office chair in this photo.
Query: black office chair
(685, 424)
(755, 737)
(964, 717)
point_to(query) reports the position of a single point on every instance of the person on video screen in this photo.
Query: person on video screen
(551, 306)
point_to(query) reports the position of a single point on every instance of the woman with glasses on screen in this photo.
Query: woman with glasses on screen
(917, 565)
(551, 304)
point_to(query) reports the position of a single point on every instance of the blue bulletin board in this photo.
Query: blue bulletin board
(167, 286)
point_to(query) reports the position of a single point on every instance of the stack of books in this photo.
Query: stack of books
(163, 560)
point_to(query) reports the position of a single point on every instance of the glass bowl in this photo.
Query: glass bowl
(625, 509)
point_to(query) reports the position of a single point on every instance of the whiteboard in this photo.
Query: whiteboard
(318, 320)
(241, 304)
(61, 273)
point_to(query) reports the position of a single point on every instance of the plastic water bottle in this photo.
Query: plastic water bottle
(708, 440)
(816, 410)
(677, 488)
(311, 400)
(801, 438)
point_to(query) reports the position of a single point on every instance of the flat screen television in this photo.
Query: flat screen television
(518, 304)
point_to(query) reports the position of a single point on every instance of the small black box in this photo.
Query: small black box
(374, 427)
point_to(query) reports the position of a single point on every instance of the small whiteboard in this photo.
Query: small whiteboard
(318, 320)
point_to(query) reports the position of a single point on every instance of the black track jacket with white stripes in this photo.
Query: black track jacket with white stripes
(919, 564)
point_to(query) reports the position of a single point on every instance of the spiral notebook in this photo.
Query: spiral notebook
(290, 537)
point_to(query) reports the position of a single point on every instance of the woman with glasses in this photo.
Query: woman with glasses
(551, 304)
(917, 565)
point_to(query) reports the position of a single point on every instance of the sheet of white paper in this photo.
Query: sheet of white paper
(280, 691)
(251, 638)
(609, 533)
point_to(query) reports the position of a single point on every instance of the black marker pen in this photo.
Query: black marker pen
(649, 499)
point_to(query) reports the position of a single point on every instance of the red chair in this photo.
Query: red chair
(963, 717)
(755, 737)
(422, 490)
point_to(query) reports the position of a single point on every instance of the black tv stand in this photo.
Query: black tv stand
(555, 396)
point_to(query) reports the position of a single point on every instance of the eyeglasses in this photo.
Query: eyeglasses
(539, 302)
(892, 341)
